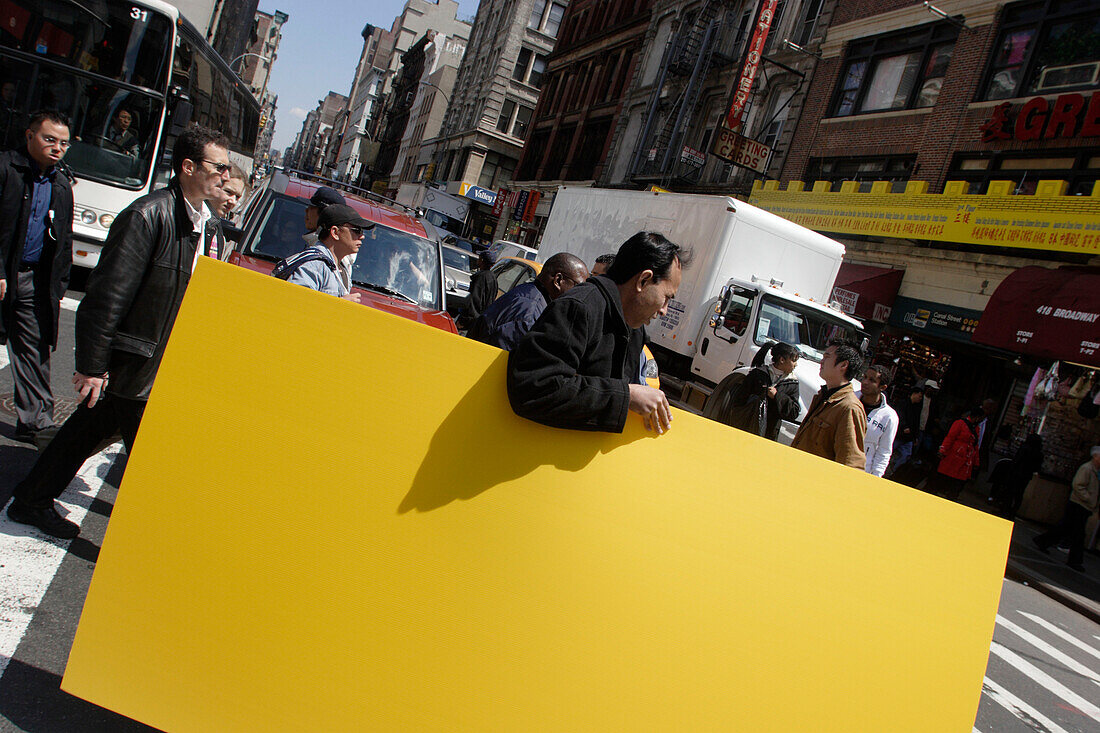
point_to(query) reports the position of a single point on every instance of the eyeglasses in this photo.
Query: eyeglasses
(355, 231)
(51, 141)
(219, 167)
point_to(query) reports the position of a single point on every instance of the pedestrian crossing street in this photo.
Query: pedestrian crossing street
(67, 303)
(1040, 677)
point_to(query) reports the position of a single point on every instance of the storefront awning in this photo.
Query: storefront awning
(866, 291)
(1054, 314)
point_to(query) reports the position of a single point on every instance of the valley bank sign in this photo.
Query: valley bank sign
(481, 195)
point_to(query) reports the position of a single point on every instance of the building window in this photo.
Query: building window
(895, 168)
(496, 170)
(1045, 47)
(514, 119)
(1079, 168)
(546, 17)
(895, 71)
(530, 68)
(804, 29)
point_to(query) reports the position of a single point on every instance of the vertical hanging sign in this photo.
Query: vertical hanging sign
(754, 53)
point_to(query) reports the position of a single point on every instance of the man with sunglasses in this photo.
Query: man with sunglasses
(340, 232)
(511, 316)
(125, 318)
(36, 254)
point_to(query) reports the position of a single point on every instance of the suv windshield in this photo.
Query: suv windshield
(391, 262)
(805, 328)
(400, 262)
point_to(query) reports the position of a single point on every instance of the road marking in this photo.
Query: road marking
(69, 304)
(1042, 678)
(29, 559)
(1063, 634)
(3, 357)
(1066, 660)
(1029, 715)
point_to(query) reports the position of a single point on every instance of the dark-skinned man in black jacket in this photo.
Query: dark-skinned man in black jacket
(125, 318)
(574, 368)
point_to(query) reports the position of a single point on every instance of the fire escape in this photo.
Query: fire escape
(707, 42)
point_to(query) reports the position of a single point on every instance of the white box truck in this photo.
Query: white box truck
(755, 277)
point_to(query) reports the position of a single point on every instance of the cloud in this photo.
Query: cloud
(298, 113)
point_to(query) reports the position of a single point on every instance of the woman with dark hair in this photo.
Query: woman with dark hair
(958, 455)
(767, 394)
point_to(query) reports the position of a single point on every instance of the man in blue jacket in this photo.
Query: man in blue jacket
(511, 316)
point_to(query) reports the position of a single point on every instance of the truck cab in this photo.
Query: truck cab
(746, 315)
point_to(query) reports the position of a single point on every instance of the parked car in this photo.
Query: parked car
(504, 248)
(458, 266)
(398, 269)
(514, 271)
(467, 244)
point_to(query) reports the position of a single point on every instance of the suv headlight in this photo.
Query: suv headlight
(88, 217)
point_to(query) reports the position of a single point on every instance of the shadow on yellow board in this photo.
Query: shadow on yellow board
(333, 521)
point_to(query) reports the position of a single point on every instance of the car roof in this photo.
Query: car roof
(375, 211)
(536, 266)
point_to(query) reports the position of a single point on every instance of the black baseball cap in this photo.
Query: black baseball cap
(325, 196)
(340, 214)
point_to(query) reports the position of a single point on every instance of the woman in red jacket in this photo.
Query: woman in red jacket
(958, 456)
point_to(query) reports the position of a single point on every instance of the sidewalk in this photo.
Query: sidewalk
(1047, 574)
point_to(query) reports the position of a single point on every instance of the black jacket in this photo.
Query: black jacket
(483, 291)
(573, 368)
(17, 173)
(135, 291)
(744, 407)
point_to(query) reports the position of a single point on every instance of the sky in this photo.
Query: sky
(319, 51)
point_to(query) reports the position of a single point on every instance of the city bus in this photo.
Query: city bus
(130, 75)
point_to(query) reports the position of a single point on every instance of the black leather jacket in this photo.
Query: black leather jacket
(16, 186)
(134, 293)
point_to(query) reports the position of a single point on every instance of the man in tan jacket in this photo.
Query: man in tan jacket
(835, 424)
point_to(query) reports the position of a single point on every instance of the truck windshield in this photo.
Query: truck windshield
(807, 329)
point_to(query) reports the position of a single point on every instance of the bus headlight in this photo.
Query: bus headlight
(105, 220)
(88, 217)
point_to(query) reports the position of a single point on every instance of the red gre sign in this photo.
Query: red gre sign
(753, 55)
(1070, 115)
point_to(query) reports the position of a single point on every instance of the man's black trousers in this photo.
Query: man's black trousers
(76, 442)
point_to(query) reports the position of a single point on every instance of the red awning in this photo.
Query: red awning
(1054, 314)
(860, 288)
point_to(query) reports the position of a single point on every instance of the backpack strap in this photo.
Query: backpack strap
(290, 265)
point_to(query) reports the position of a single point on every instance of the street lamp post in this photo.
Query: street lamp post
(234, 61)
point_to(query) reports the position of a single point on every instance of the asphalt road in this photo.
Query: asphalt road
(1043, 672)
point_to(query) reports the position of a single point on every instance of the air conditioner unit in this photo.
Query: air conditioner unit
(1072, 75)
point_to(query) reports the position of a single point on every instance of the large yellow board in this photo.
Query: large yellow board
(333, 521)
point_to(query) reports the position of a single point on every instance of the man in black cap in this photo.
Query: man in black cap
(320, 266)
(321, 198)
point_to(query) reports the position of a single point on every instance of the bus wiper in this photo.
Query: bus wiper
(89, 11)
(385, 291)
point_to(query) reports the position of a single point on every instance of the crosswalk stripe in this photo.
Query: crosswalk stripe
(1062, 634)
(3, 357)
(29, 559)
(1018, 707)
(1042, 678)
(1067, 661)
(69, 304)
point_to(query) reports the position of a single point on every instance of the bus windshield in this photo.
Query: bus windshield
(95, 63)
(116, 40)
(807, 329)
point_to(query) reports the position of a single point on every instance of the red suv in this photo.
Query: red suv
(389, 271)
